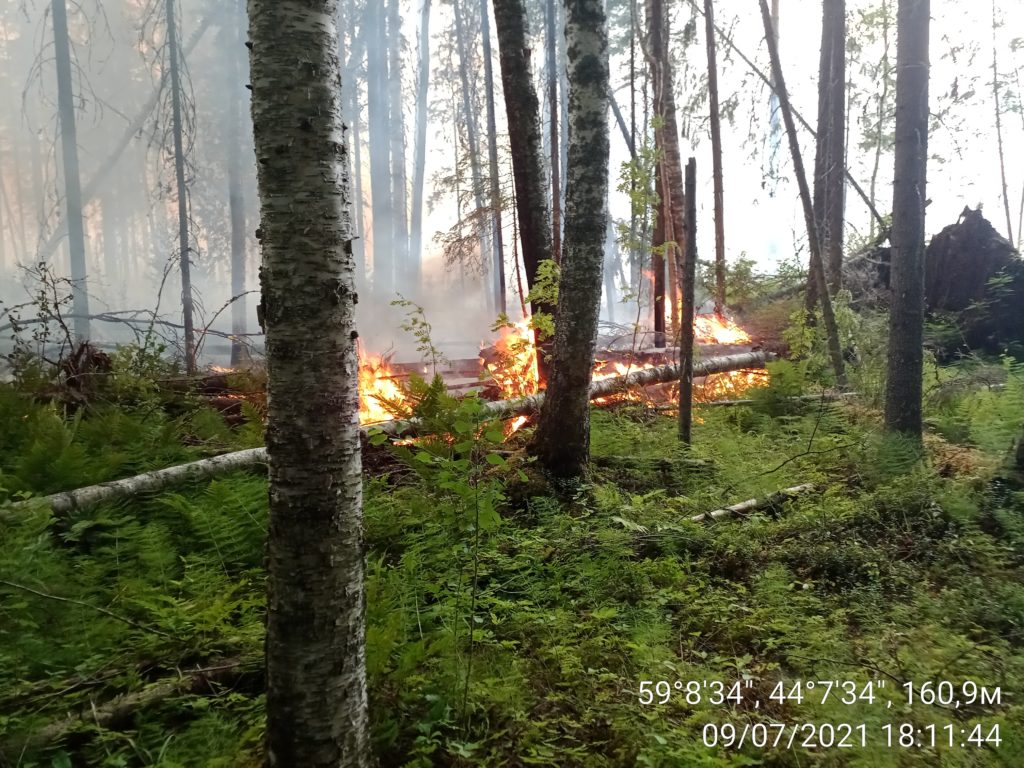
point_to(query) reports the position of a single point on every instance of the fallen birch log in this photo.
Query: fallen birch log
(120, 711)
(67, 501)
(752, 505)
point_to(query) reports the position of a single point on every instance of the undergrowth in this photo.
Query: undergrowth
(507, 627)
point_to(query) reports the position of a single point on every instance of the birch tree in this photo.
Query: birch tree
(562, 439)
(906, 315)
(315, 649)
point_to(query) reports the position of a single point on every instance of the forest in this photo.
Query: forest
(511, 383)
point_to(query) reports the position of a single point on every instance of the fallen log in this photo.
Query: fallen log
(120, 711)
(68, 501)
(752, 505)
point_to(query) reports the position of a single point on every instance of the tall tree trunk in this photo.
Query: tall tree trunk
(562, 440)
(687, 286)
(182, 191)
(72, 182)
(830, 148)
(999, 126)
(716, 157)
(492, 155)
(420, 150)
(669, 167)
(906, 314)
(377, 112)
(563, 97)
(611, 266)
(522, 108)
(813, 242)
(469, 114)
(553, 142)
(315, 649)
(236, 196)
(95, 184)
(883, 111)
(399, 186)
(356, 157)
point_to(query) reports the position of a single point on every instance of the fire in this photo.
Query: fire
(377, 385)
(721, 386)
(515, 369)
(716, 329)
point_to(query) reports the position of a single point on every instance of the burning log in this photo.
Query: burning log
(68, 501)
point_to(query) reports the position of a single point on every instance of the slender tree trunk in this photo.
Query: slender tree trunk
(399, 186)
(182, 191)
(830, 148)
(420, 150)
(999, 127)
(813, 242)
(522, 108)
(669, 170)
(236, 196)
(562, 439)
(469, 114)
(611, 260)
(906, 315)
(95, 184)
(315, 649)
(563, 97)
(377, 112)
(553, 142)
(497, 234)
(687, 285)
(883, 109)
(716, 157)
(72, 182)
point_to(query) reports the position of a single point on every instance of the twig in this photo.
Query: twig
(84, 604)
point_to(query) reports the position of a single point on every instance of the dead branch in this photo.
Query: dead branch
(120, 710)
(67, 501)
(751, 505)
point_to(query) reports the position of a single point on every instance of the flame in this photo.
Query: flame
(515, 370)
(718, 329)
(221, 369)
(732, 384)
(513, 426)
(376, 385)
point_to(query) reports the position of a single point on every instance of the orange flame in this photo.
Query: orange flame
(718, 329)
(377, 385)
(515, 370)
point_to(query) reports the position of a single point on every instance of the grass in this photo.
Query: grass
(895, 571)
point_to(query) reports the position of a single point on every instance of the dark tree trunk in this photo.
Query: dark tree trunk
(377, 115)
(562, 439)
(813, 242)
(687, 285)
(669, 167)
(830, 148)
(420, 150)
(497, 235)
(553, 142)
(315, 649)
(185, 261)
(522, 107)
(906, 315)
(716, 157)
(72, 182)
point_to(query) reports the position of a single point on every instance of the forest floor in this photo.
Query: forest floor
(509, 626)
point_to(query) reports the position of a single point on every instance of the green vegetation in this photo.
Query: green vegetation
(509, 625)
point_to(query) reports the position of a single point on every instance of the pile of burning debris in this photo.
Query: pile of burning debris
(507, 368)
